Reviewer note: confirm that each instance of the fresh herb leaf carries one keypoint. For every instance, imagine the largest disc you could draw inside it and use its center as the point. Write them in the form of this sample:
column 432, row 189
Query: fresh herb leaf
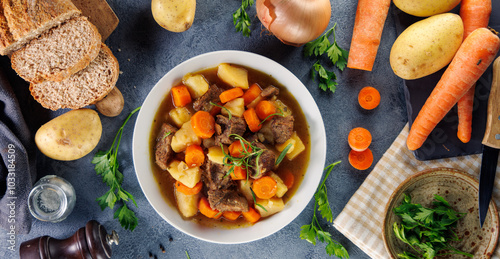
column 241, row 20
column 187, row 255
column 313, row 232
column 326, row 78
column 166, row 134
column 337, row 55
column 427, row 231
column 106, row 165
column 283, row 153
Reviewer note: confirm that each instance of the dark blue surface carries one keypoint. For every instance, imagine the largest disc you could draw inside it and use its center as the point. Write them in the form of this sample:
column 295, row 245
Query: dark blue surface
column 146, row 52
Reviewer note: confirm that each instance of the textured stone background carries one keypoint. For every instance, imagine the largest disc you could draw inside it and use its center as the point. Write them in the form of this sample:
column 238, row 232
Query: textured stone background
column 146, row 52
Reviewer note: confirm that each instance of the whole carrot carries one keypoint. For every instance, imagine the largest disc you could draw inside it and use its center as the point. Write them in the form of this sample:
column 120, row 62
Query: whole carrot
column 475, row 14
column 368, row 26
column 471, row 60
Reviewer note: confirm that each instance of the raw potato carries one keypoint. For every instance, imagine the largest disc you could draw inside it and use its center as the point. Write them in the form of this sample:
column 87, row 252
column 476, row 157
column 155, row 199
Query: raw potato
column 427, row 46
column 424, row 8
column 112, row 104
column 70, row 136
column 233, row 76
column 187, row 204
column 174, row 15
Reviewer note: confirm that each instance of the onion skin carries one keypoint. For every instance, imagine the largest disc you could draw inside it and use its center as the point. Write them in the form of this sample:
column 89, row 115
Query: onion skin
column 294, row 22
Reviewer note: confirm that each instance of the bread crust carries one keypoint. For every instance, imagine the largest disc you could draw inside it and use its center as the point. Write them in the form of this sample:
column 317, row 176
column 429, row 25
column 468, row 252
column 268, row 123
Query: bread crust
column 24, row 20
column 75, row 92
column 35, row 65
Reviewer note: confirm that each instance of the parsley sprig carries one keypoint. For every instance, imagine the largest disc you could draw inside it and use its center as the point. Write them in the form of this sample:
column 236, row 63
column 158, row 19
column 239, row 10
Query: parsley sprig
column 427, row 231
column 313, row 231
column 106, row 165
column 241, row 20
column 337, row 55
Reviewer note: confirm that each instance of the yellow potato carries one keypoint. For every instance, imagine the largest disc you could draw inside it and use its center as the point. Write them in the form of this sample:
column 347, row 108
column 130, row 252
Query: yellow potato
column 426, row 46
column 70, row 136
column 174, row 15
column 424, row 8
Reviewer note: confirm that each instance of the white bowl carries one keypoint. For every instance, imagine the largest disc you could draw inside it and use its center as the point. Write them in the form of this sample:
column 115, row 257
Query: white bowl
column 263, row 228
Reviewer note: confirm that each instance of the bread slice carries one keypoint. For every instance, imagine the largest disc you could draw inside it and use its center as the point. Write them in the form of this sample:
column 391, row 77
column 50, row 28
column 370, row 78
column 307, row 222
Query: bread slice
column 59, row 52
column 81, row 89
column 24, row 20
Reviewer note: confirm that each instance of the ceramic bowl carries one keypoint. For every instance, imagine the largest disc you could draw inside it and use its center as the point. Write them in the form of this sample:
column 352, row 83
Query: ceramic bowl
column 142, row 151
column 461, row 191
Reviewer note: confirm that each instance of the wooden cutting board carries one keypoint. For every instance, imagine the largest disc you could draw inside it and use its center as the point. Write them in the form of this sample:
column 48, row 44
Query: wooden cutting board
column 100, row 14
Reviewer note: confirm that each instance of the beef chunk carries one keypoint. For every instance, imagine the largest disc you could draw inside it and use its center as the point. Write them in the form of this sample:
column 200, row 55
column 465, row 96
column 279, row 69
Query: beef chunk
column 269, row 92
column 212, row 95
column 266, row 161
column 282, row 128
column 222, row 191
column 227, row 200
column 163, row 150
column 215, row 176
column 225, row 127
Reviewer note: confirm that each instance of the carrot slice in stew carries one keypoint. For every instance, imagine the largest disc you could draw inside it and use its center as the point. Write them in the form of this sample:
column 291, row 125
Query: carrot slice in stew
column 251, row 215
column 186, row 190
column 231, row 215
column 252, row 120
column 180, row 96
column 239, row 173
column 237, row 150
column 265, row 187
column 203, row 124
column 288, row 178
column 369, row 98
column 359, row 139
column 251, row 94
column 194, row 156
column 205, row 209
column 265, row 109
column 230, row 94
column 361, row 160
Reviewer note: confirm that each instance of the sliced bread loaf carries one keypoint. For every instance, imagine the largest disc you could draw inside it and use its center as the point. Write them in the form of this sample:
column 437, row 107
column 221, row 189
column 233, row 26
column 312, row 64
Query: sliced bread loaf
column 81, row 89
column 24, row 20
column 59, row 52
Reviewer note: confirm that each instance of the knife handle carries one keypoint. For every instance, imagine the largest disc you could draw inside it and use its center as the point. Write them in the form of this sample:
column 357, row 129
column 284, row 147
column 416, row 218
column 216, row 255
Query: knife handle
column 492, row 133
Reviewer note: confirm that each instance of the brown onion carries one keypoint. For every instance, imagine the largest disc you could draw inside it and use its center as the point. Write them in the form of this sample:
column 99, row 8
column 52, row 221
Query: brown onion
column 294, row 22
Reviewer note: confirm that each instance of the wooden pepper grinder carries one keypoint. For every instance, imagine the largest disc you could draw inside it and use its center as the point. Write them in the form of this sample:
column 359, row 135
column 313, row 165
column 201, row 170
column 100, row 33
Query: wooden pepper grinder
column 89, row 242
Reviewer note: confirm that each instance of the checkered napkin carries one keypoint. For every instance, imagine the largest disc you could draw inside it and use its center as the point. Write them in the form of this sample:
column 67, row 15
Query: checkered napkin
column 362, row 218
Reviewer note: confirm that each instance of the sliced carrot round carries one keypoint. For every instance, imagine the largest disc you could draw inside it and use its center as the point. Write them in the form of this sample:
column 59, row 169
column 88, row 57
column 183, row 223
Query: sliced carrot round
column 203, row 124
column 361, row 160
column 265, row 109
column 265, row 187
column 237, row 150
column 369, row 98
column 194, row 156
column 231, row 215
column 205, row 209
column 187, row 190
column 252, row 215
column 359, row 139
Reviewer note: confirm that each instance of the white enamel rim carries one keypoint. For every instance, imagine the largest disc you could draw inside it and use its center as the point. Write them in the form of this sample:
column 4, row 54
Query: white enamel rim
column 263, row 228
